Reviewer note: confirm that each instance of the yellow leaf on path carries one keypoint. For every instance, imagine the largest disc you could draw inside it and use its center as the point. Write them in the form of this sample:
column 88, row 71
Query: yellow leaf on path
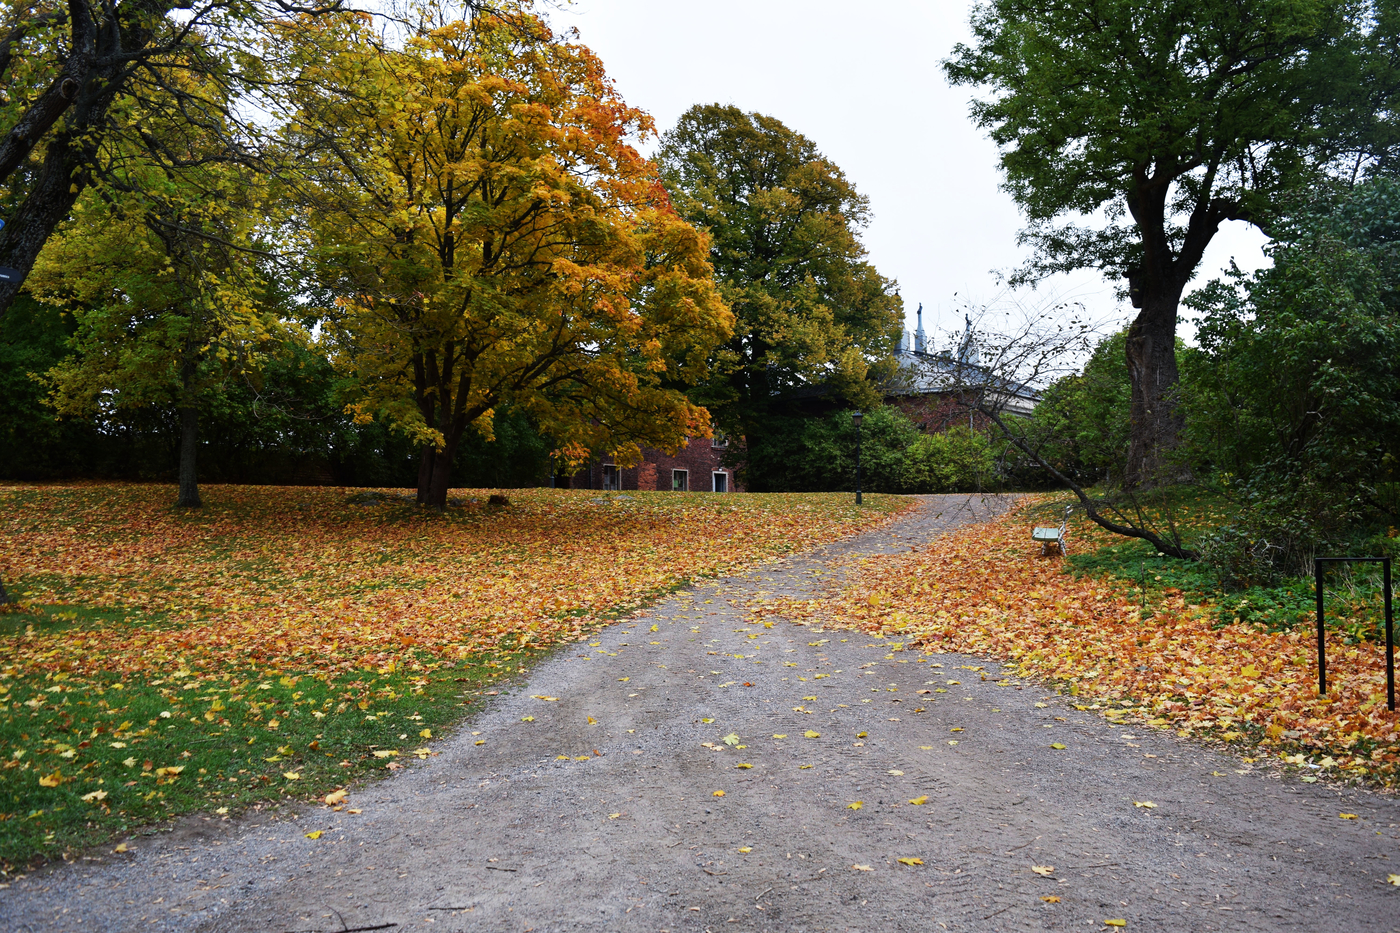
column 527, row 718
column 855, row 806
column 655, row 628
column 895, row 771
column 952, row 741
column 536, row 696
column 426, row 733
column 1145, row 803
column 1040, row 706
column 746, row 849
column 613, row 816
column 861, row 868
column 315, row 834
column 1116, row 923
column 592, row 721
column 910, row 861
column 812, row 735
column 479, row 742
column 927, row 748
column 731, row 739
column 920, row 800
column 336, row 796
column 1044, row 870
column 743, row 766
column 1347, row 816
column 623, row 680
column 1393, row 879
column 779, row 735
column 1057, row 745
column 95, row 797
column 121, row 847
column 1051, row 898
column 719, row 793
column 51, row 780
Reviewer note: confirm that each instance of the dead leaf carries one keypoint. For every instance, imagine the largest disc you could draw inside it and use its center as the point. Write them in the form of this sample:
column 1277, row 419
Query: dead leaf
column 731, row 739
column 1043, row 870
column 1116, row 923
column 314, row 834
column 1050, row 898
column 336, row 796
column 920, row 800
column 855, row 806
column 910, row 861
column 1347, row 816
column 861, row 868
column 719, row 793
column 1057, row 745
column 812, row 735
column 1145, row 803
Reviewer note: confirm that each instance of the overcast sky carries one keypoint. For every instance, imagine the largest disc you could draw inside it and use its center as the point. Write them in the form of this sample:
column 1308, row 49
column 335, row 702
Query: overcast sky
column 863, row 82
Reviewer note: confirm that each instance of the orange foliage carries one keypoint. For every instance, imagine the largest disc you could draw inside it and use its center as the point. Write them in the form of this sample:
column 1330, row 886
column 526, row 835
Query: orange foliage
column 987, row 591
column 302, row 580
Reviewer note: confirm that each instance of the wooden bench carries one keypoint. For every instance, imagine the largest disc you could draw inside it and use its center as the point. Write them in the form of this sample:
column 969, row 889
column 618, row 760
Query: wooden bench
column 1052, row 540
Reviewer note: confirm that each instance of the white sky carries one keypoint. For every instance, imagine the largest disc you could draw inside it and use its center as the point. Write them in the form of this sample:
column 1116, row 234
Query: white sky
column 864, row 83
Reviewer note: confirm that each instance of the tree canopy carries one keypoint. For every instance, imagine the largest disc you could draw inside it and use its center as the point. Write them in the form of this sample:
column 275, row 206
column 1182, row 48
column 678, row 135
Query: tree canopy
column 1130, row 130
column 491, row 237
column 810, row 310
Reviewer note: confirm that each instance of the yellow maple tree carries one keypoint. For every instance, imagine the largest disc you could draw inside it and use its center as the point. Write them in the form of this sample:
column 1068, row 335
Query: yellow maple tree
column 492, row 238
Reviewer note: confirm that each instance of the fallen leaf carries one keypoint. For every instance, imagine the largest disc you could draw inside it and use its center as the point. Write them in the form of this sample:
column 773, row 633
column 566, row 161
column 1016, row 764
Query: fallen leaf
column 746, row 849
column 613, row 816
column 1050, row 898
column 51, row 780
column 719, row 793
column 861, row 868
column 1393, row 879
column 779, row 735
column 920, row 800
column 1116, row 923
column 122, row 847
column 855, row 806
column 527, row 718
column 812, row 735
column 592, row 721
column 731, row 739
column 314, row 834
column 743, row 766
column 910, row 861
column 426, row 734
column 1044, row 870
column 291, row 775
column 1145, row 803
column 95, row 797
column 386, row 753
column 1057, row 745
column 537, row 696
column 895, row 771
column 336, row 796
column 1347, row 816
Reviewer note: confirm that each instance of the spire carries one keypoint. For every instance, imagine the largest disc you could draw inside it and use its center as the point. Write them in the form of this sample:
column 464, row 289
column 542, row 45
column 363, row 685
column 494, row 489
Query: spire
column 920, row 341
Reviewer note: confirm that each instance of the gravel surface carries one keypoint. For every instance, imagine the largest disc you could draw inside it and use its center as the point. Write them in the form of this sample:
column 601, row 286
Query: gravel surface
column 602, row 813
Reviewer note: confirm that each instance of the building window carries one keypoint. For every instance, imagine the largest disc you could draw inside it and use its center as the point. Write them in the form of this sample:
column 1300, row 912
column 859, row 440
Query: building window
column 680, row 480
column 721, row 482
column 719, row 439
column 612, row 477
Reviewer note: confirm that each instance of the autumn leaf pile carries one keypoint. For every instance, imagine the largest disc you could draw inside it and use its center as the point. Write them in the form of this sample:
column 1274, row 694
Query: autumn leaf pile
column 987, row 591
column 309, row 580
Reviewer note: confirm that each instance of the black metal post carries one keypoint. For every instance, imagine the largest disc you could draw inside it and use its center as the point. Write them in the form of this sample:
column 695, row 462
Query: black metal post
column 1389, row 624
column 1389, row 645
column 1321, row 644
column 857, row 420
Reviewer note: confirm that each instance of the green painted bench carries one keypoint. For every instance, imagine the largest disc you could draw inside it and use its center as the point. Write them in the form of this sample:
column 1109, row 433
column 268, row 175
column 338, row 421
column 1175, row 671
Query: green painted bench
column 1052, row 540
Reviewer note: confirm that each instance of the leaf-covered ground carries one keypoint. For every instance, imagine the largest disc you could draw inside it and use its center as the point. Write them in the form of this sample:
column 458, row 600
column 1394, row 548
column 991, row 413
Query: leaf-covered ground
column 1156, row 655
column 281, row 640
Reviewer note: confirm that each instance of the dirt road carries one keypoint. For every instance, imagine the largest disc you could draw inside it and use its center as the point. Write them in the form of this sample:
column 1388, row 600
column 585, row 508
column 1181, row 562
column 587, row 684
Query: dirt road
column 604, row 796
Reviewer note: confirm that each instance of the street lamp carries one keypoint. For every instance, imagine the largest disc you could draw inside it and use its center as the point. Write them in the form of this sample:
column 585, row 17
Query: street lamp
column 856, row 419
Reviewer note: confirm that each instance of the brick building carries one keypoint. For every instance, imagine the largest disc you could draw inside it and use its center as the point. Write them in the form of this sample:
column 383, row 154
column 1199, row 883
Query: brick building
column 697, row 467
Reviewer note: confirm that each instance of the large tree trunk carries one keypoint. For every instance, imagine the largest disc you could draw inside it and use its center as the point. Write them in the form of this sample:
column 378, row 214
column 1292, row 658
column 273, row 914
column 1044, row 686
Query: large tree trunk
column 426, row 458
column 189, row 446
column 1155, row 416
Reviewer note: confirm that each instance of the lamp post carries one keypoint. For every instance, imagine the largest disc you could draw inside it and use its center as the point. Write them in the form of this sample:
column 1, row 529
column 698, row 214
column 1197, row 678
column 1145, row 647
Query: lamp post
column 856, row 419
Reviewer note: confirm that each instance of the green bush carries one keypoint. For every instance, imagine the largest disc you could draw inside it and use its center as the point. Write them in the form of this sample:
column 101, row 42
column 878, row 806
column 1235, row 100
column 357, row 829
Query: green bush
column 956, row 460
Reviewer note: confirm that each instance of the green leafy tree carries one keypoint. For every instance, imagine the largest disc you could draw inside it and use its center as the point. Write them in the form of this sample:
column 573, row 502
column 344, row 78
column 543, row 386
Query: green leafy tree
column 810, row 310
column 1298, row 406
column 1167, row 119
column 168, row 292
column 493, row 240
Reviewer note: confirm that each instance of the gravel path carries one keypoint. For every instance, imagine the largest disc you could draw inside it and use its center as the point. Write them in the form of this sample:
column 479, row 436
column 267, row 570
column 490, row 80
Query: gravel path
column 602, row 813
